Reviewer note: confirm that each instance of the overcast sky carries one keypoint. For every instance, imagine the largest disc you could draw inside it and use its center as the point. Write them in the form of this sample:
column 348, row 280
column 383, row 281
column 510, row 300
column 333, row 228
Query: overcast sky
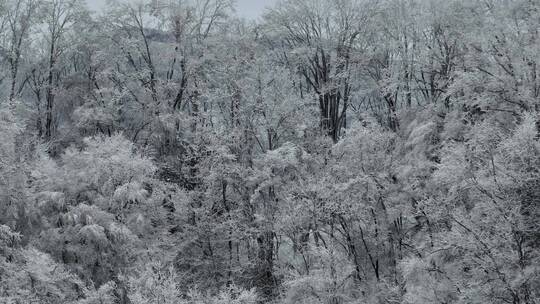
column 251, row 9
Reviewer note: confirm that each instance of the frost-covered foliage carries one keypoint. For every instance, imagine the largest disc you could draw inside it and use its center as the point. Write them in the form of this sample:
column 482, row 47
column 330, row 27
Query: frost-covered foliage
column 29, row 275
column 331, row 151
column 105, row 165
column 486, row 230
column 156, row 284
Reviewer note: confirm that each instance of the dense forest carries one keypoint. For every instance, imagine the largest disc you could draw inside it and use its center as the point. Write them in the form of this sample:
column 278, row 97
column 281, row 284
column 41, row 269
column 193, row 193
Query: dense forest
column 332, row 152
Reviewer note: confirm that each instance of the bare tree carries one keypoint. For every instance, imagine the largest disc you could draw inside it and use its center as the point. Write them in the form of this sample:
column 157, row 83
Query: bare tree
column 19, row 18
column 60, row 15
column 319, row 39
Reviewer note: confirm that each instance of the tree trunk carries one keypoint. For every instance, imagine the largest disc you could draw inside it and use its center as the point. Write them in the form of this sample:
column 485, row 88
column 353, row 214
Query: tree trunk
column 50, row 94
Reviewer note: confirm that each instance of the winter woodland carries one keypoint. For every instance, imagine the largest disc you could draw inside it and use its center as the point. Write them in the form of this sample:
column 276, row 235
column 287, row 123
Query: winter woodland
column 328, row 152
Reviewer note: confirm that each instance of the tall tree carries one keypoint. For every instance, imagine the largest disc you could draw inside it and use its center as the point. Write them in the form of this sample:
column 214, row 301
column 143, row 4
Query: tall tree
column 60, row 15
column 320, row 40
column 21, row 16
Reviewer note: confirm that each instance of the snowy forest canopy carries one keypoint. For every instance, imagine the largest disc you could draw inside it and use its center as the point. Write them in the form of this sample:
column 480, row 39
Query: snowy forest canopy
column 332, row 152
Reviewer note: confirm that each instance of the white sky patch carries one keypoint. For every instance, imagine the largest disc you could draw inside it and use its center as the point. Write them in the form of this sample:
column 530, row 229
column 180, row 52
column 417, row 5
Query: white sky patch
column 252, row 9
